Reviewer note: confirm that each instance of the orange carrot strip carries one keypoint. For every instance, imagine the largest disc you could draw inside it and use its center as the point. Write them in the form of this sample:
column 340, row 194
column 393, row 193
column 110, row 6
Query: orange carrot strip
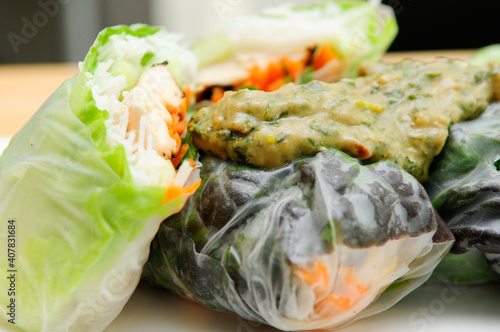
column 187, row 100
column 180, row 127
column 324, row 55
column 183, row 109
column 257, row 77
column 174, row 192
column 275, row 85
column 171, row 109
column 293, row 67
column 187, row 94
column 361, row 289
column 343, row 302
column 191, row 162
column 177, row 139
column 178, row 157
column 350, row 279
column 275, row 71
column 175, row 120
column 320, row 274
column 273, row 76
column 192, row 188
column 171, row 194
column 217, row 94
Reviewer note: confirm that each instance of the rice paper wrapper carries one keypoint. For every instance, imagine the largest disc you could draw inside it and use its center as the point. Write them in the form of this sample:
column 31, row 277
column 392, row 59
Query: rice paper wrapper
column 316, row 244
column 75, row 227
column 464, row 183
column 356, row 31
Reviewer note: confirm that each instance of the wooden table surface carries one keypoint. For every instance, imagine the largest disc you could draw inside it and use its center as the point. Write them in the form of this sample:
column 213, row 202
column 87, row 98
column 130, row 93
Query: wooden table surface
column 23, row 88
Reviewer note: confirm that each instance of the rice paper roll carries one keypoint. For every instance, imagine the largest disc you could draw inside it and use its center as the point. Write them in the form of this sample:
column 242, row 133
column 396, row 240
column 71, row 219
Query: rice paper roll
column 315, row 244
column 323, row 41
column 85, row 183
column 464, row 183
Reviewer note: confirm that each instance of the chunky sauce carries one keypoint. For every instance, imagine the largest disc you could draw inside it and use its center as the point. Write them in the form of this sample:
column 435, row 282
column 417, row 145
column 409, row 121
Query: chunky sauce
column 399, row 112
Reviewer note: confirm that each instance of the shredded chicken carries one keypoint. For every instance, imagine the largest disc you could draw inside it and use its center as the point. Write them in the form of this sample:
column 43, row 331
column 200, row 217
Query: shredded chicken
column 158, row 99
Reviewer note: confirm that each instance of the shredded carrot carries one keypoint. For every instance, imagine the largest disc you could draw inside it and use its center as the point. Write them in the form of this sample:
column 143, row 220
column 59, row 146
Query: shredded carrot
column 217, row 94
column 293, row 67
column 187, row 100
column 178, row 157
column 174, row 192
column 177, row 139
column 183, row 109
column 275, row 85
column 361, row 289
column 180, row 127
column 275, row 71
column 350, row 279
column 322, row 56
column 257, row 77
column 274, row 75
column 320, row 274
column 171, row 108
column 175, row 120
column 187, row 94
column 191, row 162
column 281, row 71
column 192, row 188
column 343, row 302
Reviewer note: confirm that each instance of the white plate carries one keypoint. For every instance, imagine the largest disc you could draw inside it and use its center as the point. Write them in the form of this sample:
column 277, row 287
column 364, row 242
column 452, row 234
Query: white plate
column 4, row 141
column 430, row 308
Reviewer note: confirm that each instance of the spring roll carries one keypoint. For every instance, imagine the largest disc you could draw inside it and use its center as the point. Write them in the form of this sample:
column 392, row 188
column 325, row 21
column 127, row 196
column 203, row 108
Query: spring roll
column 464, row 183
column 315, row 244
column 87, row 181
column 321, row 41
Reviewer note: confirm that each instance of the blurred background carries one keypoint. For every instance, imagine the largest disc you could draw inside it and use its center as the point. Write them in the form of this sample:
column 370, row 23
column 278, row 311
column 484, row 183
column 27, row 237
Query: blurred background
column 63, row 30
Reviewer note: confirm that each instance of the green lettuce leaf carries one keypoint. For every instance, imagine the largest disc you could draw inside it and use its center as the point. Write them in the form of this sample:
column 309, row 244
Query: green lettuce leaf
column 484, row 55
column 81, row 226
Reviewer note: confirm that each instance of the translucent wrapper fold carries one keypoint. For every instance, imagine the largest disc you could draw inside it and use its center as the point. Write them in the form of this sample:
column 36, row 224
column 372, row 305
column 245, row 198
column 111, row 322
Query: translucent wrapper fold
column 78, row 222
column 315, row 244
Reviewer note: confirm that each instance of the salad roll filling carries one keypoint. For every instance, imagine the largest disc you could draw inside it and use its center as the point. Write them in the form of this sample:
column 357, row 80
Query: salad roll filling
column 146, row 110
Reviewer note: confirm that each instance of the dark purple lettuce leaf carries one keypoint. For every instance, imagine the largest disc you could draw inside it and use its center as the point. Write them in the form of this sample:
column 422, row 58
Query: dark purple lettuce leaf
column 464, row 184
column 240, row 242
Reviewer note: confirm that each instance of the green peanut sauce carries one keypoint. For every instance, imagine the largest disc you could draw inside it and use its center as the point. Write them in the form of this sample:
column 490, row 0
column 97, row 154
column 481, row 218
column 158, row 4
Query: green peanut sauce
column 399, row 112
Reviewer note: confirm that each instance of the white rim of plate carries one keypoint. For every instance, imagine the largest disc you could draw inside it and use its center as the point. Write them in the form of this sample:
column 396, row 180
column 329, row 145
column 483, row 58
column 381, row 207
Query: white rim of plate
column 4, row 141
